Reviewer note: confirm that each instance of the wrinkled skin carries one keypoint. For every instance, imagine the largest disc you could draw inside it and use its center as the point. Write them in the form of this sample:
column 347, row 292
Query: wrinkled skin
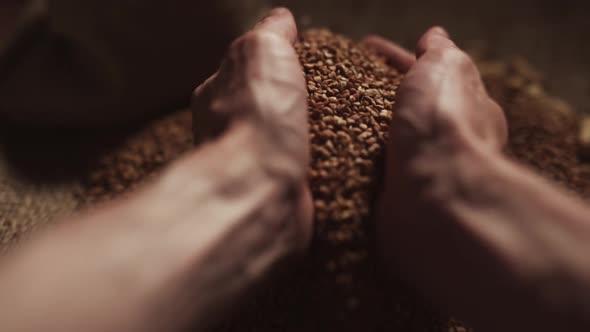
column 496, row 245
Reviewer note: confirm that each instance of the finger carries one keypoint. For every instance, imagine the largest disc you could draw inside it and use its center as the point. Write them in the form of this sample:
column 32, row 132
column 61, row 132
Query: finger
column 204, row 86
column 434, row 38
column 501, row 125
column 281, row 22
column 399, row 57
column 206, row 125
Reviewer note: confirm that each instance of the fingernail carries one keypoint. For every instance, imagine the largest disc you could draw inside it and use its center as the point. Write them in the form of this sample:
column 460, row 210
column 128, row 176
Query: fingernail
column 440, row 31
column 279, row 11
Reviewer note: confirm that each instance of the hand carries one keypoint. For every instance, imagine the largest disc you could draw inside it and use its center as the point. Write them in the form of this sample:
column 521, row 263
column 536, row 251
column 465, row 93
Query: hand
column 478, row 234
column 245, row 189
column 260, row 87
column 442, row 114
column 187, row 247
column 443, row 111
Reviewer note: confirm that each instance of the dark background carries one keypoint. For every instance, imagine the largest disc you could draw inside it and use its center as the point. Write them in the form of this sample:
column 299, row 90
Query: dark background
column 552, row 35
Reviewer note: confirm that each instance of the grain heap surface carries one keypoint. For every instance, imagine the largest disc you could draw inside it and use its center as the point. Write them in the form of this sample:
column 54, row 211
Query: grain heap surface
column 351, row 99
column 351, row 96
column 543, row 129
column 26, row 207
column 138, row 158
column 339, row 286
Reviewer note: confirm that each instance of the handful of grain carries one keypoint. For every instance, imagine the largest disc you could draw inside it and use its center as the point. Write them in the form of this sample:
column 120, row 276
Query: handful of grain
column 351, row 99
column 338, row 287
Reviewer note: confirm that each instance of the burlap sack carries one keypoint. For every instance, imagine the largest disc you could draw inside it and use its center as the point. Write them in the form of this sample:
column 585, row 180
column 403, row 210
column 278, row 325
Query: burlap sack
column 26, row 205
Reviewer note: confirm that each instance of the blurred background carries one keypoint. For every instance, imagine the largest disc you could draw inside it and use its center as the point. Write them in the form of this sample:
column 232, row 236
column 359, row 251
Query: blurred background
column 551, row 35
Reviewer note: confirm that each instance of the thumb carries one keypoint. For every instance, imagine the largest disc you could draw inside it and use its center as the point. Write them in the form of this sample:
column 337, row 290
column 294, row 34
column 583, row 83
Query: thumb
column 434, row 38
column 399, row 57
column 281, row 22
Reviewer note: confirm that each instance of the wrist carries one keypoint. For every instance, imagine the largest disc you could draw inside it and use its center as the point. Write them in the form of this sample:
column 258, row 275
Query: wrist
column 491, row 219
column 220, row 221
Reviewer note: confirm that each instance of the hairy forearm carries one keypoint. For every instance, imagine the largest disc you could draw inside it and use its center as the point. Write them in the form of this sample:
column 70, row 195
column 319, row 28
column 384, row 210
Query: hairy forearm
column 182, row 250
column 520, row 242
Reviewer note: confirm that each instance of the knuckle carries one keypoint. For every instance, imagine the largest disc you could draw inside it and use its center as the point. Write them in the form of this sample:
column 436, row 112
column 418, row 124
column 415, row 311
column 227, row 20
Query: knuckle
column 455, row 59
column 257, row 40
column 453, row 55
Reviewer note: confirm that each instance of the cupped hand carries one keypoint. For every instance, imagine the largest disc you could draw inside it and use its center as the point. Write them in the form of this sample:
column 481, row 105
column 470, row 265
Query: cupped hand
column 443, row 118
column 474, row 231
column 442, row 113
column 260, row 89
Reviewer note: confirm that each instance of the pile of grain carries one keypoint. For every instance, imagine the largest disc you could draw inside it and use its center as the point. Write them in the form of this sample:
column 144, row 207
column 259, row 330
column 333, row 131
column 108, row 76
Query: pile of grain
column 340, row 286
column 351, row 96
column 543, row 129
column 138, row 158
column 351, row 99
